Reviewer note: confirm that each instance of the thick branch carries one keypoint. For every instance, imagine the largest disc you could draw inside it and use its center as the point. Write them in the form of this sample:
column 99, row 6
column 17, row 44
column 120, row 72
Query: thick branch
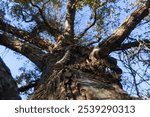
column 41, row 43
column 130, row 45
column 123, row 31
column 26, row 49
column 70, row 17
column 8, row 87
column 28, row 86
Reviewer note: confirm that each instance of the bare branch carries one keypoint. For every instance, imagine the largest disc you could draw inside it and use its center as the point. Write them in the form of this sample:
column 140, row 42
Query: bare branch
column 130, row 45
column 134, row 80
column 29, row 37
column 40, row 11
column 23, row 12
column 55, row 32
column 70, row 17
column 90, row 26
column 26, row 49
column 93, row 42
column 28, row 86
column 123, row 31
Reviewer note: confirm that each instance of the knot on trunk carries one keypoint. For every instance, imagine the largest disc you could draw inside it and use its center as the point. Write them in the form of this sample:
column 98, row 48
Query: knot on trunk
column 107, row 62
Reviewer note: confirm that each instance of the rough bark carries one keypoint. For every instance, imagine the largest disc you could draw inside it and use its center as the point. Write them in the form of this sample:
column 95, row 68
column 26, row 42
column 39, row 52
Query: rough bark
column 70, row 17
column 123, row 31
column 29, row 50
column 26, row 36
column 80, row 83
column 67, row 72
column 78, row 79
column 8, row 87
column 82, row 79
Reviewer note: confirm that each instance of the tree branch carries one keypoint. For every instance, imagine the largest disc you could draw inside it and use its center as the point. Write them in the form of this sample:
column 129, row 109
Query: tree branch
column 55, row 32
column 130, row 45
column 123, row 31
column 28, row 86
column 90, row 26
column 70, row 17
column 8, row 87
column 41, row 43
column 26, row 49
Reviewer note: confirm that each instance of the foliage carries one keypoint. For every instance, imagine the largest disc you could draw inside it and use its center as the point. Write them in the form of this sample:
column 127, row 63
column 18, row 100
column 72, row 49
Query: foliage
column 27, row 77
column 30, row 15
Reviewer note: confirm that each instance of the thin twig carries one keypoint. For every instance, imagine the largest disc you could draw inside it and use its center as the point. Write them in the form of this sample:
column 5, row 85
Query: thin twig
column 90, row 26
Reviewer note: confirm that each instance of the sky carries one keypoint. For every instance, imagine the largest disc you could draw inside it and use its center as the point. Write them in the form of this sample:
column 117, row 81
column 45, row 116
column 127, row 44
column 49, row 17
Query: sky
column 14, row 62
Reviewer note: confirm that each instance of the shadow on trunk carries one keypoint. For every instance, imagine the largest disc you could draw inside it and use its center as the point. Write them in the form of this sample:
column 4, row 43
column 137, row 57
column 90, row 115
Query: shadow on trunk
column 78, row 78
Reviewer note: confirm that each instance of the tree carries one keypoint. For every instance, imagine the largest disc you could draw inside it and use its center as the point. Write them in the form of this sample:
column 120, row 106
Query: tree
column 74, row 63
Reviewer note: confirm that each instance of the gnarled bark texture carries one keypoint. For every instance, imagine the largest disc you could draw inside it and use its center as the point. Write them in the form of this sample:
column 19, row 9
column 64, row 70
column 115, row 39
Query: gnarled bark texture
column 69, row 69
column 74, row 76
column 79, row 79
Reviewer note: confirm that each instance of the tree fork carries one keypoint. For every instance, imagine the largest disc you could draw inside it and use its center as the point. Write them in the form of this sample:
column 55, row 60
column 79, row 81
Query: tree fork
column 124, row 30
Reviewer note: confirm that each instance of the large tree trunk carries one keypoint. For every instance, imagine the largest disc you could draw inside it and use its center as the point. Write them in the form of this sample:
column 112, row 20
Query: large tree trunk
column 76, row 78
column 77, row 72
column 70, row 70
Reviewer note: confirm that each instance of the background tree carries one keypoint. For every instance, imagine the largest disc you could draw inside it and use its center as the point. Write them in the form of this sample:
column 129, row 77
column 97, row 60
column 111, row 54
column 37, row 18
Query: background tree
column 72, row 43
